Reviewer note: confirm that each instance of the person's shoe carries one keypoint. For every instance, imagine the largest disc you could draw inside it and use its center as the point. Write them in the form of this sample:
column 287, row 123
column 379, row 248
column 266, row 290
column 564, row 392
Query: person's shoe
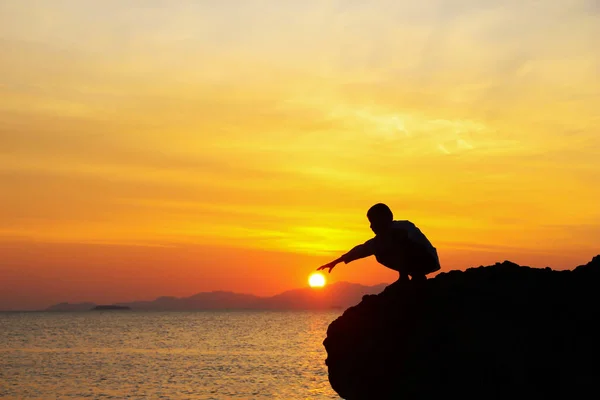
column 401, row 282
column 418, row 278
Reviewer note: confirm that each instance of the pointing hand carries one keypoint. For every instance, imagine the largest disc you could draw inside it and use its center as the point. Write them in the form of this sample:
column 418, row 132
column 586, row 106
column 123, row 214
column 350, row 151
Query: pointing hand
column 329, row 266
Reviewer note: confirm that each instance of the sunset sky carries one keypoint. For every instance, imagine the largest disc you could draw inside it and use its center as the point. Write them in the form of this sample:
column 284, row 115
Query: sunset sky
column 159, row 147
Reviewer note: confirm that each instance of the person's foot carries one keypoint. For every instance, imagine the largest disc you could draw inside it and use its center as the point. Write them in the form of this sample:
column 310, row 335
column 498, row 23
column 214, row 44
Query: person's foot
column 401, row 282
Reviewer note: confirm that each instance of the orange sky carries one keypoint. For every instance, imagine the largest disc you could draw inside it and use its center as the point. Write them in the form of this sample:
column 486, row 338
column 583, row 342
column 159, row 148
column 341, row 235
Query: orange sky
column 163, row 148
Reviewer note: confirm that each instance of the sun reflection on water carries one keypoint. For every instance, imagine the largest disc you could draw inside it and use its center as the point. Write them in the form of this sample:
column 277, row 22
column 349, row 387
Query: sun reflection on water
column 194, row 355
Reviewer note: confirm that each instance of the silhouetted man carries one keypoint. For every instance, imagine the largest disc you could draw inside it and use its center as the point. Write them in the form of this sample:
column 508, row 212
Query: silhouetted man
column 398, row 245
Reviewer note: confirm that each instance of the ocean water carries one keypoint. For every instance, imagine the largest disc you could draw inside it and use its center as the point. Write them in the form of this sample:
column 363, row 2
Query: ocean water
column 168, row 355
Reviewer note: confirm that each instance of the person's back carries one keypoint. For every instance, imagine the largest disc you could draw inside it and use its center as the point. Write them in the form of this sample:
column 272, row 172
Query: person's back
column 398, row 245
column 404, row 248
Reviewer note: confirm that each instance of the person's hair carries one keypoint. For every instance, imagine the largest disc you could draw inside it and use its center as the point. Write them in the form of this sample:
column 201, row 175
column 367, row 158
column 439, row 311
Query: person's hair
column 380, row 212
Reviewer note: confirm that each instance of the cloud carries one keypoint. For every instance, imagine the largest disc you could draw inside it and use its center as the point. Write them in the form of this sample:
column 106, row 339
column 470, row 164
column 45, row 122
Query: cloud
column 297, row 103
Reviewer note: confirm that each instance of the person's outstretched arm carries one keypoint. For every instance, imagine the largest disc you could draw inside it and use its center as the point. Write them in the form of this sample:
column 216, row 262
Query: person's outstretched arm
column 331, row 265
column 361, row 251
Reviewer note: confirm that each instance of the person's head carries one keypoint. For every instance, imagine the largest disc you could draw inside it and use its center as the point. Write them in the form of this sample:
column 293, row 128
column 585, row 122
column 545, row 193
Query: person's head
column 380, row 216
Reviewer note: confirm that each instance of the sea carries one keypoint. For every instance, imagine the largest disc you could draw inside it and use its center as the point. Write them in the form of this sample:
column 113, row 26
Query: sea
column 164, row 355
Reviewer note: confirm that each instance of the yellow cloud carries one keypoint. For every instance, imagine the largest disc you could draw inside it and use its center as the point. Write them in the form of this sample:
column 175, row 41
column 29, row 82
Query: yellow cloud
column 461, row 116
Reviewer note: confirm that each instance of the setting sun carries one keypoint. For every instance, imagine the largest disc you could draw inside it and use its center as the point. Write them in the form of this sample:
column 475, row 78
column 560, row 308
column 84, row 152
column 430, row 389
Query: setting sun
column 316, row 280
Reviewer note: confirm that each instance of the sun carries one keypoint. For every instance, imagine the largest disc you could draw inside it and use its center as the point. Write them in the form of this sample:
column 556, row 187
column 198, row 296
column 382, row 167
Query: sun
column 316, row 280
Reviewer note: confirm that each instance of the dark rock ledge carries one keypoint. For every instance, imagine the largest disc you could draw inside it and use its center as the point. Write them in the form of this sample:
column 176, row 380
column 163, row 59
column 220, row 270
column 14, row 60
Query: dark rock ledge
column 502, row 331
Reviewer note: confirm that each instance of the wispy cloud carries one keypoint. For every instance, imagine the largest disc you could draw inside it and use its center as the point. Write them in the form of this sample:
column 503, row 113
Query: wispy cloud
column 276, row 121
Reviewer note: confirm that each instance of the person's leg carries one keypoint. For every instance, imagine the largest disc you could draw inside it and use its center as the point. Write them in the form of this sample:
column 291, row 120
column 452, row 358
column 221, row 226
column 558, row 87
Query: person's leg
column 418, row 261
column 403, row 277
column 402, row 280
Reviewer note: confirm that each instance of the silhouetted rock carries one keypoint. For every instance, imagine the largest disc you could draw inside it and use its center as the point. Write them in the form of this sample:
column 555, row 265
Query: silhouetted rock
column 63, row 307
column 502, row 331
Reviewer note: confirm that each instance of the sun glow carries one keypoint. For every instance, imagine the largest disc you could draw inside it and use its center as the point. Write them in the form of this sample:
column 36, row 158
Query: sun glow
column 316, row 280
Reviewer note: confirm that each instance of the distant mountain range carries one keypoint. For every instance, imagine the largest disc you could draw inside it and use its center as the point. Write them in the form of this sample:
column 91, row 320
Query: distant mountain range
column 336, row 295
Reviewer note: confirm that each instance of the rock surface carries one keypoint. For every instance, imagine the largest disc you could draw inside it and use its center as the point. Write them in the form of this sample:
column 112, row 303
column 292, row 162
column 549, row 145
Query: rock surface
column 501, row 331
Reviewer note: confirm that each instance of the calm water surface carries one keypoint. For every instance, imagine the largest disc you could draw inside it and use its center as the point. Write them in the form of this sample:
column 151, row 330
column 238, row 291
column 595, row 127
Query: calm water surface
column 170, row 355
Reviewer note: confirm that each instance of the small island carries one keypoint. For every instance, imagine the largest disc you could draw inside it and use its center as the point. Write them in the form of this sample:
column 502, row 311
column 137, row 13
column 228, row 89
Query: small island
column 110, row 307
